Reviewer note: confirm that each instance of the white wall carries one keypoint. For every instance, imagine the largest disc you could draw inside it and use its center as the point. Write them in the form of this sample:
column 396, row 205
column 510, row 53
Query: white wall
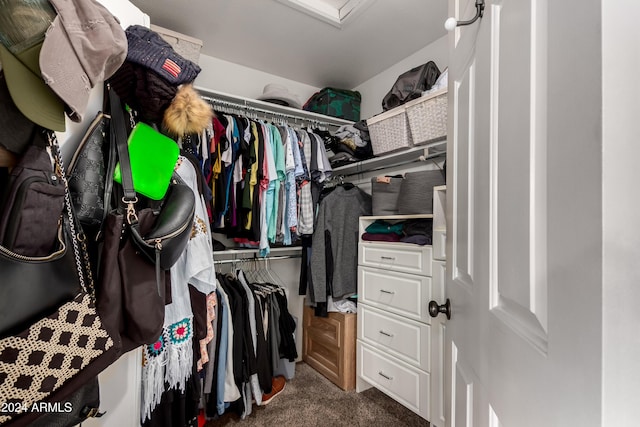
column 227, row 77
column 374, row 89
column 620, row 211
column 234, row 79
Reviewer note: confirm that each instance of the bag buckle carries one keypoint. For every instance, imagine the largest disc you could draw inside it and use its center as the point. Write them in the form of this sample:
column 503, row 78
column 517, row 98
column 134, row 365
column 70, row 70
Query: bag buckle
column 132, row 217
column 91, row 412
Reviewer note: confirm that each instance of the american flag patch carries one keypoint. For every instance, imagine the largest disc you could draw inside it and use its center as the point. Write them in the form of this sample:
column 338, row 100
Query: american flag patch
column 171, row 67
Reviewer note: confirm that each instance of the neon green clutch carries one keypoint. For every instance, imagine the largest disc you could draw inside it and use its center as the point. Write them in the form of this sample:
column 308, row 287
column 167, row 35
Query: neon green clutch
column 153, row 157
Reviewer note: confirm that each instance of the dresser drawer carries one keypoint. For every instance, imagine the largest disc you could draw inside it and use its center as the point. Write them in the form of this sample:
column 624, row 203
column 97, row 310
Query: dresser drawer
column 406, row 339
column 328, row 345
column 404, row 257
column 405, row 384
column 404, row 294
column 327, row 330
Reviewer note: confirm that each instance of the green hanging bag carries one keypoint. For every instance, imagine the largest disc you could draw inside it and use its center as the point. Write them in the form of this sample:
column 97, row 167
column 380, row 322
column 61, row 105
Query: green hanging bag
column 153, row 158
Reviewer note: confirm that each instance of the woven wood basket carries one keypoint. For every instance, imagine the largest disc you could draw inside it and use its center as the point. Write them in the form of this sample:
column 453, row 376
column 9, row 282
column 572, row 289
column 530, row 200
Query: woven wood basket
column 185, row 46
column 427, row 117
column 389, row 131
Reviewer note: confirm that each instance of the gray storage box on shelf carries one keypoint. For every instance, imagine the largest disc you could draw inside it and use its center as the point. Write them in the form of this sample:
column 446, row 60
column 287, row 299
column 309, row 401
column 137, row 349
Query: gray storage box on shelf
column 185, row 46
column 389, row 131
column 427, row 117
column 416, row 191
column 384, row 195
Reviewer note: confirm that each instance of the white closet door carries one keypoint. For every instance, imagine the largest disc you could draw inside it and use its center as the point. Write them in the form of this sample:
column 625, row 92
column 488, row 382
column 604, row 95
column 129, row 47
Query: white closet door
column 524, row 252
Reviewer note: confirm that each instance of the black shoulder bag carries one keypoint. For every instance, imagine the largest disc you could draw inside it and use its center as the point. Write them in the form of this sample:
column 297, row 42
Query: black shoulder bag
column 52, row 340
column 139, row 246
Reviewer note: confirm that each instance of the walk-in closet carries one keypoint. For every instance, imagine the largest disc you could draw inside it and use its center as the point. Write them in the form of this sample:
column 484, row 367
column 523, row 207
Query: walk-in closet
column 318, row 213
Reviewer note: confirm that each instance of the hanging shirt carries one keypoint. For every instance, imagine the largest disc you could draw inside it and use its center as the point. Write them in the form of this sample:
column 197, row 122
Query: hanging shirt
column 290, row 217
column 227, row 388
column 323, row 167
column 279, row 162
column 229, row 157
column 297, row 160
column 255, row 384
column 251, row 178
column 334, row 259
column 267, row 202
column 305, row 199
column 216, row 180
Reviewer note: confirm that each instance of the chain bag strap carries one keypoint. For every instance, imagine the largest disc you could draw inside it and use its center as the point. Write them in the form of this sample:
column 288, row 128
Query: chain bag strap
column 78, row 238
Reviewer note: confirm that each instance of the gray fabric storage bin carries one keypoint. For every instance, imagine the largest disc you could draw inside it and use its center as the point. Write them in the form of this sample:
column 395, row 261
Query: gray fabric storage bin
column 416, row 192
column 384, row 195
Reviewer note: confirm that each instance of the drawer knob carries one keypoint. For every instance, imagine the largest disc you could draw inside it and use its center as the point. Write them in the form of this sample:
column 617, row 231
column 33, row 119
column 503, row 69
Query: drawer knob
column 386, row 334
column 384, row 291
column 435, row 309
column 389, row 258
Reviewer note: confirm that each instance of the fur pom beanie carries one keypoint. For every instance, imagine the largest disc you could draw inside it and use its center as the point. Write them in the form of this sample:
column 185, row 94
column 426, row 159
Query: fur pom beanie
column 143, row 90
column 188, row 113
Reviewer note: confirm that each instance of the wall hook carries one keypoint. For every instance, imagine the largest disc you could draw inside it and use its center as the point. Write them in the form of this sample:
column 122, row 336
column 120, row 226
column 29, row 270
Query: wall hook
column 451, row 23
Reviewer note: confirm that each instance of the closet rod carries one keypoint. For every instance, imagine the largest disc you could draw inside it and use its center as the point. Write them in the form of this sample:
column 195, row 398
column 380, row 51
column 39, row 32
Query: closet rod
column 339, row 174
column 249, row 259
column 264, row 113
column 267, row 109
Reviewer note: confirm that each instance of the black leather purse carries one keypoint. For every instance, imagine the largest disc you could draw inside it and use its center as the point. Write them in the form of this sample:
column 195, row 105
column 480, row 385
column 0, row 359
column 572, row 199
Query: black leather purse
column 169, row 236
column 87, row 172
column 137, row 238
column 47, row 307
column 35, row 286
column 164, row 244
column 37, row 265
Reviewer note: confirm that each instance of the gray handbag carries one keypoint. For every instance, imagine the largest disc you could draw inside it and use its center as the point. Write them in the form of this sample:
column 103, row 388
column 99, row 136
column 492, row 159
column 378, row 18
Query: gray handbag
column 384, row 194
column 416, row 191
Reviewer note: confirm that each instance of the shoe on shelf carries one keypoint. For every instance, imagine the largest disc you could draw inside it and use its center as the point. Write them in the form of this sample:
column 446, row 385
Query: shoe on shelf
column 277, row 385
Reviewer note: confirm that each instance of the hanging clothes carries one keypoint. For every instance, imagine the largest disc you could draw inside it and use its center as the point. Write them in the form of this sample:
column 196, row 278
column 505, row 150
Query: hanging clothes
column 168, row 363
column 263, row 179
column 335, row 244
column 255, row 332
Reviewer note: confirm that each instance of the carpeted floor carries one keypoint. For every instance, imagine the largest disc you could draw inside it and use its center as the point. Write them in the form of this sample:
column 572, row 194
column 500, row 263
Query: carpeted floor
column 309, row 399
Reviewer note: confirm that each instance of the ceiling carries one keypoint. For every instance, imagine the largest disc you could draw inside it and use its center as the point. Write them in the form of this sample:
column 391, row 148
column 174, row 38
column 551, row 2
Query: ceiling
column 278, row 38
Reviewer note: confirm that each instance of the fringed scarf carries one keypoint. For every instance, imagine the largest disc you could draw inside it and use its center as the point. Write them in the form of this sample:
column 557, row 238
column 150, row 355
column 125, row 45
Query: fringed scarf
column 168, row 363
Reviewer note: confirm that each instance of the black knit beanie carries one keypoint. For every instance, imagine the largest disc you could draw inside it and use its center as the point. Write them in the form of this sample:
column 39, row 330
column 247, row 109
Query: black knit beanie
column 143, row 90
column 147, row 48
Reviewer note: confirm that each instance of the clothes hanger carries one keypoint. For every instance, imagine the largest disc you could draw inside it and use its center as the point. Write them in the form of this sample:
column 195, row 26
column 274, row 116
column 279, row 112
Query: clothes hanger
column 345, row 185
column 276, row 280
column 264, row 274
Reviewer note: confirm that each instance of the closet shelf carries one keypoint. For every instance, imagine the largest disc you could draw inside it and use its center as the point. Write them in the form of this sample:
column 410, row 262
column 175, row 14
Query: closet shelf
column 269, row 110
column 395, row 217
column 398, row 158
column 255, row 253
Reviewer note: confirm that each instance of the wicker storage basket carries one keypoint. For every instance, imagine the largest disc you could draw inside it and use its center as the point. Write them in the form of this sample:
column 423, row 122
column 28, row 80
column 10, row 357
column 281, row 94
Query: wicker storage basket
column 185, row 46
column 427, row 117
column 389, row 131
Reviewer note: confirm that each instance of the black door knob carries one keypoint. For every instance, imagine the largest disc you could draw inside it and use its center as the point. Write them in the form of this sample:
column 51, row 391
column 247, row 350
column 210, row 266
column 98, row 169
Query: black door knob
column 435, row 309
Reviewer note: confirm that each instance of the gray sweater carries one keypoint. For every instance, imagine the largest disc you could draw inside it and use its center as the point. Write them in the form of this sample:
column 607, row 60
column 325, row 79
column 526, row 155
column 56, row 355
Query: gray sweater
column 335, row 244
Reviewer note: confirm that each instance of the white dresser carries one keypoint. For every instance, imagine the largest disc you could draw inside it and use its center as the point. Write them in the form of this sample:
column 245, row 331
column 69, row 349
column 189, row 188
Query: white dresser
column 400, row 347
